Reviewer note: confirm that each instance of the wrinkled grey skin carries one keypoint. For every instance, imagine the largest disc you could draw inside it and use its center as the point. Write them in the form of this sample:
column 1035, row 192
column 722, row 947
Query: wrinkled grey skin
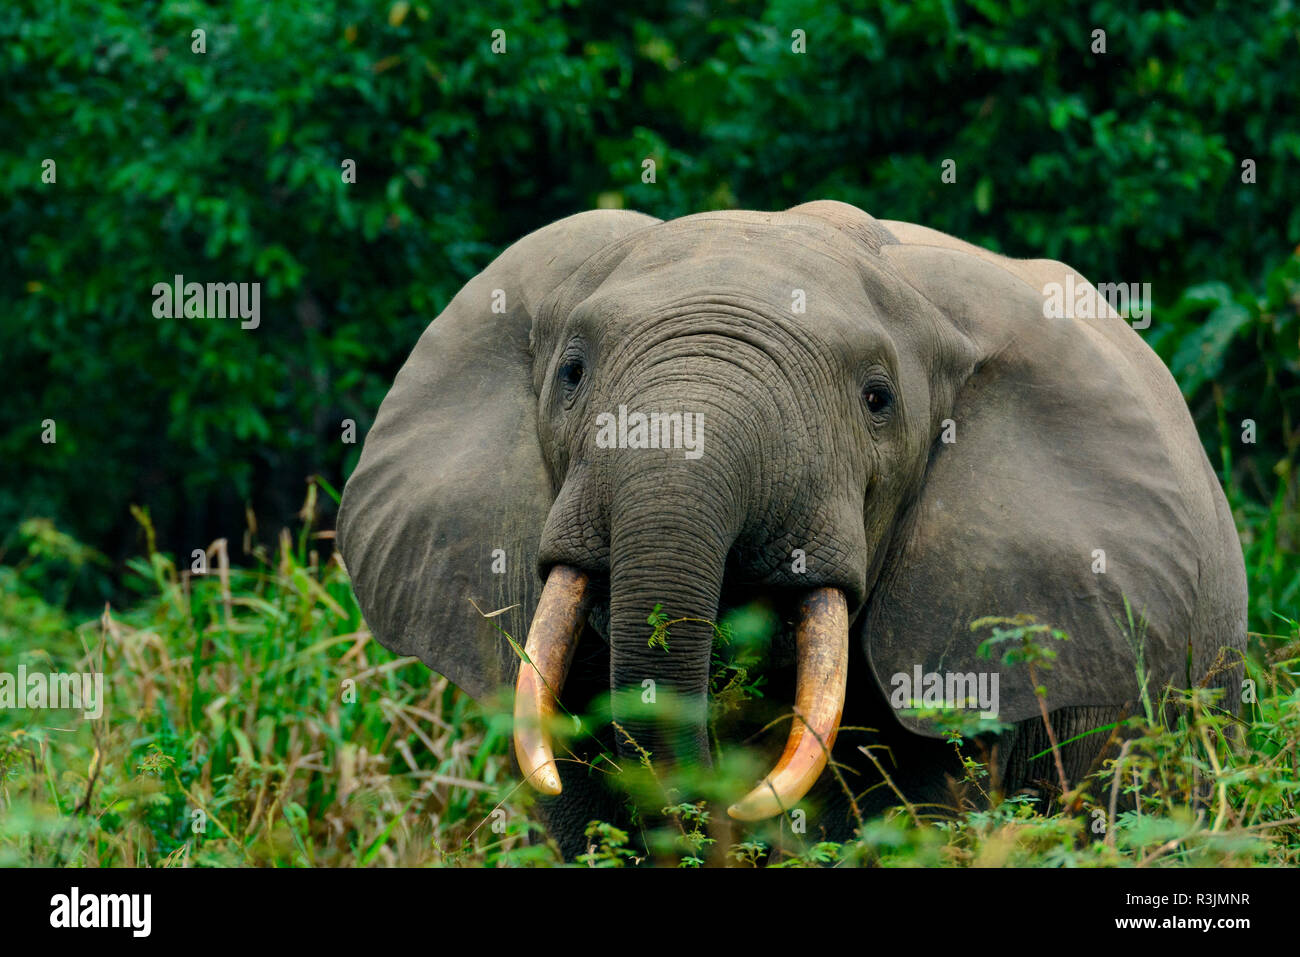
column 1071, row 436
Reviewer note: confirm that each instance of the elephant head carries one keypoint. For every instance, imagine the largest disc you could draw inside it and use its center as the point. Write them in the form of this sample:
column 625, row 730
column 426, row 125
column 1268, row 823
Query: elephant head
column 619, row 413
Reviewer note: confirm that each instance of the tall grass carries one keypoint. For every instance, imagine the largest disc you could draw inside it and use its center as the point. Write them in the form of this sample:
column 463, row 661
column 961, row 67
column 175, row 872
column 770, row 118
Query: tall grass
column 252, row 720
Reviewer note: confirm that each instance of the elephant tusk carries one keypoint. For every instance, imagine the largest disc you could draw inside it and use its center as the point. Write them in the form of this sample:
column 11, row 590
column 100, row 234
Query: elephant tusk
column 822, row 672
column 552, row 640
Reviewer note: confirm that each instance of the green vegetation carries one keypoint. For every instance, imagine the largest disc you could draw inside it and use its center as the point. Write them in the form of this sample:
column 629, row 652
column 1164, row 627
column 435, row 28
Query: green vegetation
column 250, row 719
column 226, row 695
column 232, row 734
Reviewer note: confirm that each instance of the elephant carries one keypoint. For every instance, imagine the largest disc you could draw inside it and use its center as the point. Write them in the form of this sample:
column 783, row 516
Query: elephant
column 893, row 407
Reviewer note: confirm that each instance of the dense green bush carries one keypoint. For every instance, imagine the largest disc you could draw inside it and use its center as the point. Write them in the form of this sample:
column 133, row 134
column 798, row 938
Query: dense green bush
column 227, row 166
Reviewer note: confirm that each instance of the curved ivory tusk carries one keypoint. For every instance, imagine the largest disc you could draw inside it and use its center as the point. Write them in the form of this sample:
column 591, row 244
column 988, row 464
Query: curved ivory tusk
column 552, row 640
column 823, row 649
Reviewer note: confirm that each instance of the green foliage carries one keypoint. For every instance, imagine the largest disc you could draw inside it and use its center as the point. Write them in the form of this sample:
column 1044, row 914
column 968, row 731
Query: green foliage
column 693, row 844
column 1025, row 637
column 248, row 720
column 607, row 847
column 740, row 646
column 1194, row 787
column 658, row 622
column 254, row 697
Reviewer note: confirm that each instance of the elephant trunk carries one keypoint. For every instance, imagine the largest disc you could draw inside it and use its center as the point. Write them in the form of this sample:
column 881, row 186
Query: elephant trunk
column 660, row 677
column 672, row 524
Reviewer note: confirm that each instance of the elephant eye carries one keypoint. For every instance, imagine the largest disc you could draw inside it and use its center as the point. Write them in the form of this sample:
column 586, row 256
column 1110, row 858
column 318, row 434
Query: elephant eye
column 571, row 372
column 877, row 398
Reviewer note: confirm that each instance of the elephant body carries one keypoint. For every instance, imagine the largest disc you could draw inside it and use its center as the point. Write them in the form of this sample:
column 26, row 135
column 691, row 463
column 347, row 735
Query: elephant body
column 893, row 431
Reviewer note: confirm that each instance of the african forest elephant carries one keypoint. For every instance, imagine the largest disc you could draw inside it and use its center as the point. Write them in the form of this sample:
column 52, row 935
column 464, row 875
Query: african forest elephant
column 889, row 405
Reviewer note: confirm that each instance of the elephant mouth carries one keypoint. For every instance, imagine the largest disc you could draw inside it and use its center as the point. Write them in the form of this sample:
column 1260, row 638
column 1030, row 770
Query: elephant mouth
column 821, row 672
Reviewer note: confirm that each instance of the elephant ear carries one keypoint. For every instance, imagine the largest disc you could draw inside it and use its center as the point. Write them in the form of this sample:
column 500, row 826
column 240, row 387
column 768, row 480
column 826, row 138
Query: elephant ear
column 448, row 500
column 1074, row 481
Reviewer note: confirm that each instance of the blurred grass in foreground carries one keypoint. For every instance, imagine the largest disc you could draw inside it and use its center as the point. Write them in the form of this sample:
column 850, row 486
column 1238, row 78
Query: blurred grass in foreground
column 250, row 719
column 257, row 697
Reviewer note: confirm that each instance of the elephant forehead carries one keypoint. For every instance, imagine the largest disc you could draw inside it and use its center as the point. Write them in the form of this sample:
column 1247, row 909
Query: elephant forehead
column 774, row 271
column 715, row 247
